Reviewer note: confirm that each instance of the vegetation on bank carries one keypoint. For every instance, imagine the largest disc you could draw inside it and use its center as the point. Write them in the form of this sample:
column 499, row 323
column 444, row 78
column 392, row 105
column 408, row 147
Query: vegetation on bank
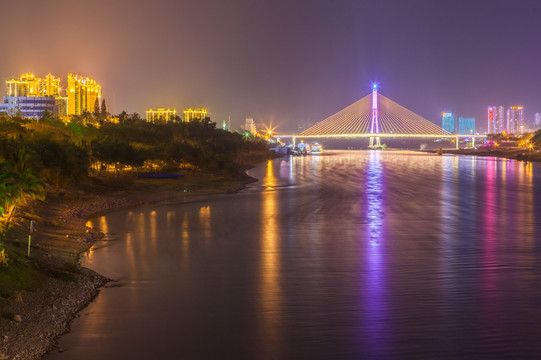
column 527, row 140
column 53, row 153
column 536, row 139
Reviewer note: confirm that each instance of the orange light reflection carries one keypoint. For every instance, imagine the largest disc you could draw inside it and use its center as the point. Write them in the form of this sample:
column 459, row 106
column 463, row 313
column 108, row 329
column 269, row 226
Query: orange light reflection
column 271, row 296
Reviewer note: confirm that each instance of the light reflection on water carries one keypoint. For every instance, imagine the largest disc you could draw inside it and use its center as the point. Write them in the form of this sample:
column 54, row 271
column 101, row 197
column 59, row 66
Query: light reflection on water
column 347, row 255
column 374, row 292
column 270, row 292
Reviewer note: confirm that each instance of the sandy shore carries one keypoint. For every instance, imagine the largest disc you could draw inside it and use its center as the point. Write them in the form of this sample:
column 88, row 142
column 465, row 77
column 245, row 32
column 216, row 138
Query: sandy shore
column 32, row 321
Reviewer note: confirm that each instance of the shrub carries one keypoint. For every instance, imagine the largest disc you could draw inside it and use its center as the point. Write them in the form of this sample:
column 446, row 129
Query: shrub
column 3, row 258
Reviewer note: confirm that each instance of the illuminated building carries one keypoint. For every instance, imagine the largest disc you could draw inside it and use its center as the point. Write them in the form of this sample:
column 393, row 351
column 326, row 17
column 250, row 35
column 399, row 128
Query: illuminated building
column 249, row 126
column 161, row 114
column 515, row 117
column 496, row 120
column 82, row 93
column 192, row 114
column 537, row 119
column 30, row 96
column 490, row 126
column 62, row 105
column 28, row 106
column 466, row 126
column 50, row 86
column 448, row 122
column 28, row 85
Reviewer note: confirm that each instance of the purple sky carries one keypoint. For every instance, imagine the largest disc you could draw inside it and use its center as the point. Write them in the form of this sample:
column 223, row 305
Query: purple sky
column 284, row 61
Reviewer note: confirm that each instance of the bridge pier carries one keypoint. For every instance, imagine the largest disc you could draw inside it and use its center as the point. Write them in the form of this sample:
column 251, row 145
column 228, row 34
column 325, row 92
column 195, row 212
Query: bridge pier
column 377, row 144
column 294, row 140
column 457, row 143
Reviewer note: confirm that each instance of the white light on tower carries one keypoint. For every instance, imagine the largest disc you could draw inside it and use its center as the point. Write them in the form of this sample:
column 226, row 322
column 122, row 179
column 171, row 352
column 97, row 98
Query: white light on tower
column 374, row 97
column 374, row 126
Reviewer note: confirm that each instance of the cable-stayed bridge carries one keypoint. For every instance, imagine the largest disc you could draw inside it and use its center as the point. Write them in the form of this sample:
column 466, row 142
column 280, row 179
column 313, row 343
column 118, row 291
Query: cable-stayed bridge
column 376, row 116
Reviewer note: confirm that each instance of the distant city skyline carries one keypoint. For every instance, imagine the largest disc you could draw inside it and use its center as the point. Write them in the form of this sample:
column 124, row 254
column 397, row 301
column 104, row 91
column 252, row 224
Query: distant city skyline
column 261, row 60
column 31, row 95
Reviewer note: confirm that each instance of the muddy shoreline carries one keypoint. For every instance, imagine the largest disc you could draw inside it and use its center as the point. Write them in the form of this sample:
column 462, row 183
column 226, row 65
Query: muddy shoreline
column 515, row 153
column 33, row 320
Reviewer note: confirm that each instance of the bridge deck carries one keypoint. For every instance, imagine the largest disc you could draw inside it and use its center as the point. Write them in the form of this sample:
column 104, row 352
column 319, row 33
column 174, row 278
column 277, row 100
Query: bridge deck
column 344, row 136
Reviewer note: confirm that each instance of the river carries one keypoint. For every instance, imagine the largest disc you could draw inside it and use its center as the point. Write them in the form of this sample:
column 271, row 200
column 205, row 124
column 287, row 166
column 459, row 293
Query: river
column 346, row 255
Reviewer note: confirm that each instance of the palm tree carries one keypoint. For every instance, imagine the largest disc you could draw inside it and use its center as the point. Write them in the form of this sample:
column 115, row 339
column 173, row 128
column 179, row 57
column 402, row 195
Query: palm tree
column 18, row 184
column 7, row 191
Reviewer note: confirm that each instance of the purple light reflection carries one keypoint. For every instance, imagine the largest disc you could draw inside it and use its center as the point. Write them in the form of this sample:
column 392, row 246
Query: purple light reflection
column 373, row 293
column 374, row 196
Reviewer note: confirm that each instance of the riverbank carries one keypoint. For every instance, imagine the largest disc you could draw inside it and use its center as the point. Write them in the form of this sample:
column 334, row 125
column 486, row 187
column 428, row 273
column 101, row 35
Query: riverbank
column 56, row 287
column 514, row 153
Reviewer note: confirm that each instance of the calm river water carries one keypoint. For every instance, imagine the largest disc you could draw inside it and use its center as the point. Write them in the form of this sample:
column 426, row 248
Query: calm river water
column 347, row 255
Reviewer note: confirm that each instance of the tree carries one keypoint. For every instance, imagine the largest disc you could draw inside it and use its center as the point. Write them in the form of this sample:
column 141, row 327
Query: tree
column 96, row 107
column 103, row 109
column 46, row 115
column 122, row 117
column 19, row 184
column 536, row 138
column 7, row 191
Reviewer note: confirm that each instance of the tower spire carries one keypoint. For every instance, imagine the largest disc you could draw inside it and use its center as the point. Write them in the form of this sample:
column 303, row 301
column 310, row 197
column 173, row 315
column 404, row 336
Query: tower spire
column 375, row 142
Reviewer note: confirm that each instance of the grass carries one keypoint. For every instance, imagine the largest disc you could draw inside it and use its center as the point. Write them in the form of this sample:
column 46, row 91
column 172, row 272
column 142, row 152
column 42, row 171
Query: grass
column 66, row 272
column 19, row 275
column 63, row 275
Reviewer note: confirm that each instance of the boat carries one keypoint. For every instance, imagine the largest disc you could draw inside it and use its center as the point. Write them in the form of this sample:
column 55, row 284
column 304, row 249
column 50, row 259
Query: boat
column 316, row 149
column 302, row 148
column 160, row 176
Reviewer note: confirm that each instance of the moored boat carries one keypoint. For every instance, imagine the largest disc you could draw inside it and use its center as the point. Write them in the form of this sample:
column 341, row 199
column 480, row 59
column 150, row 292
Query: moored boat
column 316, row 149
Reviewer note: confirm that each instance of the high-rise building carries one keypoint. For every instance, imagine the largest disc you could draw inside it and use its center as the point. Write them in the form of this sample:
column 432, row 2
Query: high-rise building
column 515, row 119
column 537, row 120
column 491, row 126
column 23, row 93
column 448, row 122
column 30, row 96
column 466, row 126
column 62, row 105
column 82, row 93
column 161, row 115
column 50, row 86
column 28, row 85
column 496, row 120
column 192, row 114
column 499, row 119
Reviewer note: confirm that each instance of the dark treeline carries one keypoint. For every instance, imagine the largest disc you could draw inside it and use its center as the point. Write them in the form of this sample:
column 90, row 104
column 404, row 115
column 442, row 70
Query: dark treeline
column 33, row 153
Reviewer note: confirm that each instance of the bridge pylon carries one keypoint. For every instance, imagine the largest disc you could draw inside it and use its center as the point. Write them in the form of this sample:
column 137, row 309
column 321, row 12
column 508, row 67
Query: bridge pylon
column 375, row 142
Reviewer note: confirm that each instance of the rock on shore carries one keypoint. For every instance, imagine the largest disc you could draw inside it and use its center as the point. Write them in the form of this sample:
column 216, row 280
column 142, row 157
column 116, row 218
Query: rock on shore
column 28, row 327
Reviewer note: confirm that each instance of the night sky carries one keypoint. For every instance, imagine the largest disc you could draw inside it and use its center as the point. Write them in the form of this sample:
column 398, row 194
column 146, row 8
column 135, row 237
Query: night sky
column 284, row 61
